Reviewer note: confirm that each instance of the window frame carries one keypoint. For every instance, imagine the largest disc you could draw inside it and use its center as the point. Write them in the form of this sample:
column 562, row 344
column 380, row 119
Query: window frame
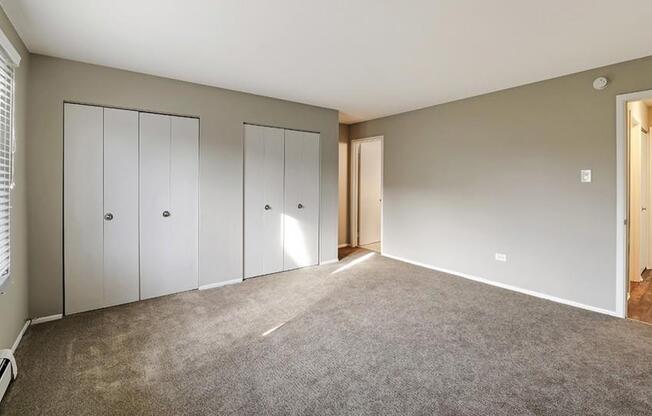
column 10, row 58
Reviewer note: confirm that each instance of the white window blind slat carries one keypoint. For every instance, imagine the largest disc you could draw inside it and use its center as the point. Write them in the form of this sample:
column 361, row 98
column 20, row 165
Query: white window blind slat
column 7, row 149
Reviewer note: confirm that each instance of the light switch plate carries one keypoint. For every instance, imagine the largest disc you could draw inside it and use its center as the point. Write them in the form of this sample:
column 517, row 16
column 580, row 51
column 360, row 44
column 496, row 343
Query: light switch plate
column 501, row 257
column 585, row 175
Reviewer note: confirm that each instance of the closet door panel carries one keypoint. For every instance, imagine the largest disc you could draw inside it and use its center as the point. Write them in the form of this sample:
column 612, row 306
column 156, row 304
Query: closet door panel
column 184, row 203
column 301, row 199
column 83, row 211
column 121, row 283
column 311, row 195
column 273, row 217
column 295, row 253
column 156, row 251
column 263, row 200
column 254, row 173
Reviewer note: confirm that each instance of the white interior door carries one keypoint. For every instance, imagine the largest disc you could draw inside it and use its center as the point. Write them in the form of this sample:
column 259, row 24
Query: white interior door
column 369, row 191
column 301, row 222
column 121, row 283
column 83, row 210
column 184, row 203
column 263, row 200
column 645, row 191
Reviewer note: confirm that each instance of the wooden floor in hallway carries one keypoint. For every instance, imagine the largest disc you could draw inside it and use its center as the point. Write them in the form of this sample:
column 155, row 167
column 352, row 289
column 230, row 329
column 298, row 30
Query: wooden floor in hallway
column 373, row 246
column 639, row 306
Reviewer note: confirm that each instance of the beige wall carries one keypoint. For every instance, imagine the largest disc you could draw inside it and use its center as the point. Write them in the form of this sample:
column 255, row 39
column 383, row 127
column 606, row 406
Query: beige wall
column 501, row 173
column 14, row 303
column 222, row 114
column 344, row 145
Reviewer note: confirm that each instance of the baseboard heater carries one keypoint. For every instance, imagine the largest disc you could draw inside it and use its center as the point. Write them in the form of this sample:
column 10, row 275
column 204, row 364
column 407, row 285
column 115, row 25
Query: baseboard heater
column 5, row 377
column 7, row 371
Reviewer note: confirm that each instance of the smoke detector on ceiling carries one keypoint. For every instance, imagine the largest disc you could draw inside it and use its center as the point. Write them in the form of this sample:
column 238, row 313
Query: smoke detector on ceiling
column 600, row 83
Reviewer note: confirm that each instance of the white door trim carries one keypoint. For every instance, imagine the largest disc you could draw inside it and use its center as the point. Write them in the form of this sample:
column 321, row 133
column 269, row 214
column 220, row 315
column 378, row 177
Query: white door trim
column 645, row 199
column 648, row 172
column 621, row 197
column 355, row 156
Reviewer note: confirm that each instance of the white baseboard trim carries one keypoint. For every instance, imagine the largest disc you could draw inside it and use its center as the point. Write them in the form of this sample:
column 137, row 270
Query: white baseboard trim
column 44, row 319
column 508, row 287
column 325, row 262
column 343, row 245
column 220, row 284
column 20, row 336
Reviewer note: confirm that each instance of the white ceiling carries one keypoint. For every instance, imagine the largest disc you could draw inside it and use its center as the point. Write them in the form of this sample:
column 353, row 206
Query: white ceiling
column 366, row 58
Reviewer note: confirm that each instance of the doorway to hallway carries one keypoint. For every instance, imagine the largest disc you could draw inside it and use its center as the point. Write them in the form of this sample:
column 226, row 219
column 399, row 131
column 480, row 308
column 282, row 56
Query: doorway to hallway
column 639, row 178
column 367, row 193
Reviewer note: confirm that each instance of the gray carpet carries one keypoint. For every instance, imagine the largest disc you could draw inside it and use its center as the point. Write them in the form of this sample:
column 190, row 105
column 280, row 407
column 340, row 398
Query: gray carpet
column 381, row 338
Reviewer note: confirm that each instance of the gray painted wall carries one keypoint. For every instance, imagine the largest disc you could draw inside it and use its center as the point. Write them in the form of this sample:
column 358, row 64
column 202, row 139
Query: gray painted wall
column 13, row 304
column 222, row 114
column 500, row 173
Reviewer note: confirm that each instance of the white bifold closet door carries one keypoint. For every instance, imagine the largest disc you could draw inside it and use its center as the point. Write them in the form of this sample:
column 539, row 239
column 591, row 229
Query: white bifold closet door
column 169, row 168
column 100, row 207
column 263, row 200
column 281, row 200
column 301, row 245
column 120, row 206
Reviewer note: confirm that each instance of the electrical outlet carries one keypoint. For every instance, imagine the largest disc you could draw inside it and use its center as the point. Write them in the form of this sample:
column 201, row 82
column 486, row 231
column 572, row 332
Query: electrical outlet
column 501, row 257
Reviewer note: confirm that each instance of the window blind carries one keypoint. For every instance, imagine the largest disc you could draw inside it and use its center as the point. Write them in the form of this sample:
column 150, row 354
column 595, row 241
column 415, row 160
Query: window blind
column 7, row 149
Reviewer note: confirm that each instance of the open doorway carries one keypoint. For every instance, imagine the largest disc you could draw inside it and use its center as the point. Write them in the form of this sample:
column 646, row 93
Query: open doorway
column 639, row 178
column 367, row 193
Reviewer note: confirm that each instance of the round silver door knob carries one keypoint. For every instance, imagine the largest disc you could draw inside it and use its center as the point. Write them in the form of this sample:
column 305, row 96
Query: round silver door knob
column 300, row 206
column 267, row 207
column 166, row 214
column 108, row 216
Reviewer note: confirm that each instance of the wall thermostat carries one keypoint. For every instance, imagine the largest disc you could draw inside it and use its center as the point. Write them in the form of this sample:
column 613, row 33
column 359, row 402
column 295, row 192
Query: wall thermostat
column 600, row 83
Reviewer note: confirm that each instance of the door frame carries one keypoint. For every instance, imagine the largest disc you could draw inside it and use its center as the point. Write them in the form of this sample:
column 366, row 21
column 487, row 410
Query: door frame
column 632, row 125
column 645, row 192
column 622, row 197
column 354, row 211
column 646, row 131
